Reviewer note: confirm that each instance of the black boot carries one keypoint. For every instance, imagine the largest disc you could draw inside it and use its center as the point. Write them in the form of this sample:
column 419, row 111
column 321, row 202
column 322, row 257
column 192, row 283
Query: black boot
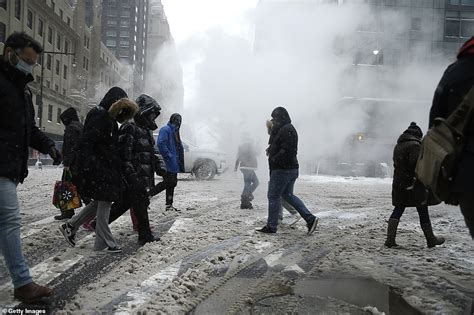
column 65, row 215
column 245, row 203
column 391, row 233
column 431, row 239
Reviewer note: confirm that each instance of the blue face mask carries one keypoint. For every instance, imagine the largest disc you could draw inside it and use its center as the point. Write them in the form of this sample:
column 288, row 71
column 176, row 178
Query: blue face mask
column 24, row 67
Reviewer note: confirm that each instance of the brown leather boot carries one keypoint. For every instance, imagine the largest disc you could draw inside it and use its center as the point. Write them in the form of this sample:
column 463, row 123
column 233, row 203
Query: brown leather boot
column 31, row 292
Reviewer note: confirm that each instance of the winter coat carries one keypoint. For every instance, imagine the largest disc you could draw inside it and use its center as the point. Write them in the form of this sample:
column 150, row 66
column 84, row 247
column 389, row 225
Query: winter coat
column 171, row 148
column 246, row 156
column 72, row 135
column 283, row 143
column 99, row 165
column 457, row 80
column 406, row 191
column 136, row 146
column 18, row 129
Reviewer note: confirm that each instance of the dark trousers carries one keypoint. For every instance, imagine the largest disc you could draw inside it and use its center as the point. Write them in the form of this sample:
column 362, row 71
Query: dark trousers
column 170, row 180
column 250, row 182
column 466, row 203
column 139, row 201
column 422, row 213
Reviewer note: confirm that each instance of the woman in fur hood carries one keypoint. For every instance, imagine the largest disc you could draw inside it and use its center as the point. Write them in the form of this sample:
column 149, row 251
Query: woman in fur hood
column 99, row 167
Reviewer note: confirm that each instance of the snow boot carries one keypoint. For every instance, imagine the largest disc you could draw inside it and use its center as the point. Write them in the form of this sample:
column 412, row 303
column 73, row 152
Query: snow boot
column 171, row 208
column 65, row 215
column 245, row 203
column 391, row 233
column 431, row 239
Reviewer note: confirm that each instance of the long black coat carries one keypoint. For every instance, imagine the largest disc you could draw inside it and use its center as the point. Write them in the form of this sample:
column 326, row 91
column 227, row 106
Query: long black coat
column 454, row 85
column 136, row 146
column 18, row 130
column 72, row 136
column 407, row 192
column 283, row 144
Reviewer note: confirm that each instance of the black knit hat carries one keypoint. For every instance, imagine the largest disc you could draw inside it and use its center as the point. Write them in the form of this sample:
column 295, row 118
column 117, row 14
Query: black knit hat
column 414, row 130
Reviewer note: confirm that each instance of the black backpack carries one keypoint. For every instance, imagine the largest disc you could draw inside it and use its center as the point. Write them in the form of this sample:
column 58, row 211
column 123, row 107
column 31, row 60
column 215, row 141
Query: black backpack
column 441, row 150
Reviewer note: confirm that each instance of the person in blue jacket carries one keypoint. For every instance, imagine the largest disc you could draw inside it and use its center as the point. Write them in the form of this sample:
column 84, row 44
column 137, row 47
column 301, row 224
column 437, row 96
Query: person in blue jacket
column 171, row 149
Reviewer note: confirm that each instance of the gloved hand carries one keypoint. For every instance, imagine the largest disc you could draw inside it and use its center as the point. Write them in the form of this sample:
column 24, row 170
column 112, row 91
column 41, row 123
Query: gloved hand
column 55, row 155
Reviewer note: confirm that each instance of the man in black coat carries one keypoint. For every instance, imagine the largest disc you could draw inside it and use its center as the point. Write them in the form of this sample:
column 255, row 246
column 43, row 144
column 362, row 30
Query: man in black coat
column 284, row 170
column 72, row 135
column 406, row 191
column 457, row 80
column 18, row 131
column 136, row 147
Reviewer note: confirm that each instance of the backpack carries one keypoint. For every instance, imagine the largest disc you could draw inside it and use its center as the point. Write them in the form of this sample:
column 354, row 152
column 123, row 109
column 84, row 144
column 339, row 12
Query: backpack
column 441, row 150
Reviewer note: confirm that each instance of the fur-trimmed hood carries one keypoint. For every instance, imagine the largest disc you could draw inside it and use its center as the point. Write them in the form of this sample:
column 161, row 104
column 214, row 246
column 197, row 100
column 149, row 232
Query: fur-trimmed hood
column 123, row 110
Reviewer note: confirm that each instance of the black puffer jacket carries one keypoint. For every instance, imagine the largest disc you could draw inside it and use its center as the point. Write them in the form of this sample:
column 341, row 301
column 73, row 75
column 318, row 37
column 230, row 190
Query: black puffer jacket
column 137, row 152
column 99, row 166
column 407, row 192
column 18, row 130
column 457, row 80
column 283, row 142
column 72, row 135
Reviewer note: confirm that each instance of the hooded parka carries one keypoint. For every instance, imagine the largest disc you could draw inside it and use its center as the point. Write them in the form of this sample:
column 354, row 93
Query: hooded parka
column 72, row 135
column 283, row 142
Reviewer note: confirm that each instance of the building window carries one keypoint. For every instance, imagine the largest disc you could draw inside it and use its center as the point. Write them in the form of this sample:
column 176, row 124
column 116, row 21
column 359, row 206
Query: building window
column 57, row 67
column 112, row 12
column 3, row 4
column 50, row 35
column 68, row 21
column 64, row 91
column 111, row 22
column 53, row 5
column 58, row 116
column 65, row 72
column 40, row 27
column 459, row 24
column 87, row 42
column 66, row 46
column 111, row 33
column 125, row 13
column 50, row 113
column 416, row 24
column 2, row 32
column 111, row 43
column 58, row 41
column 48, row 84
column 85, row 64
column 56, row 88
column 125, row 23
column 48, row 62
column 467, row 2
column 18, row 9
column 29, row 20
column 61, row 14
column 124, row 43
column 124, row 33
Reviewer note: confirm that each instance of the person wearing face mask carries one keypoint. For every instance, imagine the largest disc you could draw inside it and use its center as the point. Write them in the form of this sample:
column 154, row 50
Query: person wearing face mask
column 136, row 147
column 99, row 168
column 284, row 169
column 18, row 131
column 171, row 149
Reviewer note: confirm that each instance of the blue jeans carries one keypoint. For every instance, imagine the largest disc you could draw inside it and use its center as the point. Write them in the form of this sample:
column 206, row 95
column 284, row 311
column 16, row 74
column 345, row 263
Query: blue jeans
column 10, row 241
column 281, row 185
column 250, row 182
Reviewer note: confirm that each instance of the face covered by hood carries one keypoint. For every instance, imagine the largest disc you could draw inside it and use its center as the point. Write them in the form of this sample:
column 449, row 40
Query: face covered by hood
column 112, row 96
column 68, row 116
column 467, row 49
column 280, row 117
column 118, row 105
column 176, row 120
column 149, row 110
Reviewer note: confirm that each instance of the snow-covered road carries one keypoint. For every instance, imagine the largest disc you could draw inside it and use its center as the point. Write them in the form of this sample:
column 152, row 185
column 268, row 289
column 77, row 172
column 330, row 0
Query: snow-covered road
column 210, row 260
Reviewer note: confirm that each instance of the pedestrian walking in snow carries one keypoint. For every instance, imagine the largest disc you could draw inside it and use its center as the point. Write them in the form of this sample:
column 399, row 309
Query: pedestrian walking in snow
column 136, row 147
column 406, row 190
column 18, row 131
column 72, row 134
column 247, row 162
column 456, row 82
column 294, row 216
column 99, row 167
column 284, row 170
column 171, row 149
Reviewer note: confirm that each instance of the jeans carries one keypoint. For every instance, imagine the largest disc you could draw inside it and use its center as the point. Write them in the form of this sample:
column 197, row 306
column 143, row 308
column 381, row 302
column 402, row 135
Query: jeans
column 422, row 213
column 10, row 240
column 466, row 203
column 250, row 182
column 281, row 185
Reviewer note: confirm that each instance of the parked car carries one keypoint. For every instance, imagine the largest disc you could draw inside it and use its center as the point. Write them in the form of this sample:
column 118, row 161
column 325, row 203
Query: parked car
column 204, row 164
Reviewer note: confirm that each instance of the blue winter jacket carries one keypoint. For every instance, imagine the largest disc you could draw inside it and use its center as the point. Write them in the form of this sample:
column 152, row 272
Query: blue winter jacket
column 171, row 148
